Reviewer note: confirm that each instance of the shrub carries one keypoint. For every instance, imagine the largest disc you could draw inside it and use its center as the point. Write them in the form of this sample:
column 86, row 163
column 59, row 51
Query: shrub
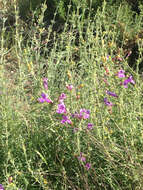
column 80, row 125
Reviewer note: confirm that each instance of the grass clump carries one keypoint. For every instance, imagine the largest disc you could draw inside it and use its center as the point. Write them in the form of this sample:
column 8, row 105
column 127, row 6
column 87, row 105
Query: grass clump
column 70, row 104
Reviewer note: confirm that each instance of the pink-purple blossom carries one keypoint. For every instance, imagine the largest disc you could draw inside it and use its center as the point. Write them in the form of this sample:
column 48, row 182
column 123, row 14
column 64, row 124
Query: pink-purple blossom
column 61, row 108
column 111, row 93
column 88, row 166
column 81, row 157
column 89, row 126
column 69, row 87
column 75, row 115
column 84, row 114
column 107, row 102
column 1, row 187
column 128, row 80
column 121, row 73
column 62, row 97
column 44, row 98
column 66, row 120
column 45, row 83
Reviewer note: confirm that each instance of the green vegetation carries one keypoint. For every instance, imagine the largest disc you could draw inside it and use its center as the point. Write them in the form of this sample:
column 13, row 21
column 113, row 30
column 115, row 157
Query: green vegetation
column 71, row 98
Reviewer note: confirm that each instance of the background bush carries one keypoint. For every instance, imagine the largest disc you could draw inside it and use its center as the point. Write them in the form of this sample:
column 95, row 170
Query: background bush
column 62, row 7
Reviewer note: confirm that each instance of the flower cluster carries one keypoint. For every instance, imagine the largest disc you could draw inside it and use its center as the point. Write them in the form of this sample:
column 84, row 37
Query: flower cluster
column 120, row 74
column 44, row 98
column 83, row 159
column 128, row 80
column 66, row 120
column 62, row 97
column 62, row 109
column 83, row 114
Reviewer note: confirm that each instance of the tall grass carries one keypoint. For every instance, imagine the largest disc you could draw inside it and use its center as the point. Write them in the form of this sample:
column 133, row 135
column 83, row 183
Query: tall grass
column 101, row 146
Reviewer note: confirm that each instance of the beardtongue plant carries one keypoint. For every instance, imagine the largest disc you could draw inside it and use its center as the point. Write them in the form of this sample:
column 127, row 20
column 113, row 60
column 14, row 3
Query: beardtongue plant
column 83, row 115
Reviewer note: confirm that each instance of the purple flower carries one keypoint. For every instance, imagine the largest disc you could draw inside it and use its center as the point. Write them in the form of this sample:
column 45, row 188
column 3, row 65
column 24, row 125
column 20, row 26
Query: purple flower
column 45, row 83
column 121, row 74
column 88, row 166
column 84, row 114
column 66, row 120
column 128, row 80
column 61, row 108
column 44, row 98
column 75, row 115
column 75, row 130
column 107, row 102
column 111, row 93
column 89, row 126
column 69, row 87
column 62, row 97
column 81, row 157
column 131, row 80
column 1, row 187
